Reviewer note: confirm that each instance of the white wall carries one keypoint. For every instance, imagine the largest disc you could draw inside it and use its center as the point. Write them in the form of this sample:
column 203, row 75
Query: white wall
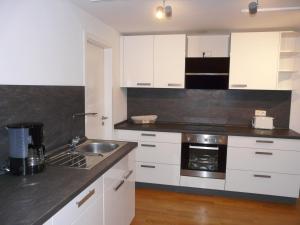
column 295, row 105
column 41, row 43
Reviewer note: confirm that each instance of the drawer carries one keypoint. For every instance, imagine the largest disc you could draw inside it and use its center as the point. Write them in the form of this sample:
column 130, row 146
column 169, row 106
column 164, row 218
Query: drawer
column 264, row 143
column 156, row 152
column 157, row 173
column 69, row 213
column 147, row 136
column 267, row 160
column 262, row 183
column 199, row 182
column 127, row 135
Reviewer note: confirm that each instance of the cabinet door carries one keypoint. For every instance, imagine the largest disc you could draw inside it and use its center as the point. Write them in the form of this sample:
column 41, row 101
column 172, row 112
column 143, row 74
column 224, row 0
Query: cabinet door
column 138, row 61
column 169, row 61
column 254, row 60
column 210, row 45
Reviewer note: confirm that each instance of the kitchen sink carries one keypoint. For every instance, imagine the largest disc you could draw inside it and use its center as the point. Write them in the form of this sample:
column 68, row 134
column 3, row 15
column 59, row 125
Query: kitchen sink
column 97, row 148
column 85, row 156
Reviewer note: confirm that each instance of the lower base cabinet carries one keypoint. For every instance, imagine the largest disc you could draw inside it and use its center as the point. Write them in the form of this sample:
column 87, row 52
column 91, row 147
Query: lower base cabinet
column 119, row 192
column 110, row 200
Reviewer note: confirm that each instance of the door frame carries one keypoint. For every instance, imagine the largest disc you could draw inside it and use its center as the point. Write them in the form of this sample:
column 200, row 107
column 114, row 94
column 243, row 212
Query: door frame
column 108, row 76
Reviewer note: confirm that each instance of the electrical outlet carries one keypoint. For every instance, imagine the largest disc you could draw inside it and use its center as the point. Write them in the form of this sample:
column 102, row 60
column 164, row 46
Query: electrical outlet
column 260, row 112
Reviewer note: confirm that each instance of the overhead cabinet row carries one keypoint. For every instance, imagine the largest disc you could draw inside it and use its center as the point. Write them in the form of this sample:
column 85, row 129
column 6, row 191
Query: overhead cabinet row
column 153, row 61
column 258, row 60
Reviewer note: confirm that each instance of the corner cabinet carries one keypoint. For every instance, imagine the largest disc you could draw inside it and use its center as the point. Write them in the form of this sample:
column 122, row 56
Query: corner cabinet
column 153, row 61
column 264, row 60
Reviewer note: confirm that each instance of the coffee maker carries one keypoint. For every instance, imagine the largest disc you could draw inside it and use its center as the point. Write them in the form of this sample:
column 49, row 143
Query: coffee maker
column 26, row 149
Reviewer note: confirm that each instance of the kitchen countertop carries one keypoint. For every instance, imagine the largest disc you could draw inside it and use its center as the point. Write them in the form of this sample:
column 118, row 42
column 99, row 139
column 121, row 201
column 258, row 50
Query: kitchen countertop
column 209, row 129
column 32, row 200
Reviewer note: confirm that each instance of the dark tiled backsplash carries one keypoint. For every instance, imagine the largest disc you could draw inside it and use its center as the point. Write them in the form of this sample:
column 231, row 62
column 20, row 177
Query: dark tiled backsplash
column 51, row 105
column 229, row 107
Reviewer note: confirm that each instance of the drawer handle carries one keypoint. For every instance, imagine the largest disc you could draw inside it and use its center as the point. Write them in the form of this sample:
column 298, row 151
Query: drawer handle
column 148, row 135
column 143, row 84
column 264, row 142
column 239, row 85
column 147, row 166
column 129, row 174
column 146, row 145
column 119, row 185
column 263, row 153
column 85, row 198
column 262, row 176
column 174, row 85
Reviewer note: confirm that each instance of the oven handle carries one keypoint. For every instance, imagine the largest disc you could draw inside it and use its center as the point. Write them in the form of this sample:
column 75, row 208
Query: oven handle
column 203, row 147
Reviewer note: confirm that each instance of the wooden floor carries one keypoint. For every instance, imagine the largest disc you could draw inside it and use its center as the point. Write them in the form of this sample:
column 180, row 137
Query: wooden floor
column 159, row 207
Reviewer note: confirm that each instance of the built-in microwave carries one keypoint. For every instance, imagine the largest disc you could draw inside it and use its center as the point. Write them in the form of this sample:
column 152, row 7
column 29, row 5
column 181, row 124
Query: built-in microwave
column 207, row 73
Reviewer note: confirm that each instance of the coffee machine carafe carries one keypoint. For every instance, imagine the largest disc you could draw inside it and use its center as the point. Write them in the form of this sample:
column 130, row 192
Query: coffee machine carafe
column 26, row 149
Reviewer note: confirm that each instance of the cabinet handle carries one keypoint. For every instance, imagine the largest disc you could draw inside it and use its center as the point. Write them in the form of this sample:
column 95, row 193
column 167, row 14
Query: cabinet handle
column 262, row 176
column 239, row 85
column 129, row 174
column 263, row 153
column 147, row 166
column 146, row 145
column 149, row 135
column 264, row 142
column 85, row 198
column 143, row 84
column 174, row 85
column 119, row 185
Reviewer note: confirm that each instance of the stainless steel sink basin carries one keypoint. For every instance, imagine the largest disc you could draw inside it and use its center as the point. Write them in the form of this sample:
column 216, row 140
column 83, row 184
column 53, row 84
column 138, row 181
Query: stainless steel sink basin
column 84, row 156
column 97, row 148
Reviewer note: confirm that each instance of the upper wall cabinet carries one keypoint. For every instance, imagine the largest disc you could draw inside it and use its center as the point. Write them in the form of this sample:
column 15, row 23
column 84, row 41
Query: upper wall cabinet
column 254, row 60
column 208, row 46
column 169, row 61
column 137, row 61
column 153, row 61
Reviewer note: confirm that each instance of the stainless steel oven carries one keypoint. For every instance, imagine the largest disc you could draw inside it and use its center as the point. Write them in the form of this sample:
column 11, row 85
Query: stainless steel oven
column 203, row 155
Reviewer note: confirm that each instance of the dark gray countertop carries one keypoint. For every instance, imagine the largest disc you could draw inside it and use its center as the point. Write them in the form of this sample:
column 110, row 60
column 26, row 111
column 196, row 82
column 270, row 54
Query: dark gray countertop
column 32, row 200
column 209, row 129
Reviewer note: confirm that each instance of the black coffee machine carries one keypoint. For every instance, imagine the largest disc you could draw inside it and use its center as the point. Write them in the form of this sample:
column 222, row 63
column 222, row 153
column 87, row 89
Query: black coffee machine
column 26, row 149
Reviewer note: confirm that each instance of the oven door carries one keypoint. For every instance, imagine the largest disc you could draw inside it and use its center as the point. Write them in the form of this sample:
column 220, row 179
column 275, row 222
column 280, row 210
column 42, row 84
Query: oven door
column 202, row 160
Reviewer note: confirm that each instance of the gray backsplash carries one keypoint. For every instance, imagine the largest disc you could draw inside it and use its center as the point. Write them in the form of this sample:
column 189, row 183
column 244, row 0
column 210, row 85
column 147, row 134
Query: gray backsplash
column 51, row 105
column 231, row 107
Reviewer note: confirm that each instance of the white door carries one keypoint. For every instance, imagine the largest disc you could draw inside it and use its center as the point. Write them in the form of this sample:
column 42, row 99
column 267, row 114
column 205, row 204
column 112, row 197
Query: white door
column 169, row 61
column 95, row 92
column 254, row 60
column 138, row 61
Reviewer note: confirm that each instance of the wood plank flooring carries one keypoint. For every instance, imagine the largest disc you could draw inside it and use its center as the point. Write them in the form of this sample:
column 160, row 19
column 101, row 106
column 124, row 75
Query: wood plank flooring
column 160, row 207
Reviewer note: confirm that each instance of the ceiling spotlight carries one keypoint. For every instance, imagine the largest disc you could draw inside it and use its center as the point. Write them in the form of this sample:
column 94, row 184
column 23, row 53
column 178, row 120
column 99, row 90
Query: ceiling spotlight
column 163, row 11
column 253, row 7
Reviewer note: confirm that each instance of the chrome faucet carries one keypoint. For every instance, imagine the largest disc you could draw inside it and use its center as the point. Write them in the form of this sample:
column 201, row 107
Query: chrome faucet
column 74, row 142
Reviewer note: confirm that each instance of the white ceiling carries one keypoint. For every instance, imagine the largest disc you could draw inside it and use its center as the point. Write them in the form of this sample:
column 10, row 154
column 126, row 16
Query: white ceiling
column 137, row 16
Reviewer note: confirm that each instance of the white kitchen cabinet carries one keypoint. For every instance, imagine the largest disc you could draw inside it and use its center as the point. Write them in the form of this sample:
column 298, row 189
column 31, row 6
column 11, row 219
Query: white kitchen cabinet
column 153, row 61
column 85, row 209
column 254, row 60
column 268, row 166
column 209, row 45
column 49, row 222
column 169, row 61
column 119, row 189
column 157, row 173
column 137, row 61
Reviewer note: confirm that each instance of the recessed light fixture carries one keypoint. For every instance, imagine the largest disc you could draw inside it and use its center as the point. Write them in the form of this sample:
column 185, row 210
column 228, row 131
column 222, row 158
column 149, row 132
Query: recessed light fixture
column 163, row 11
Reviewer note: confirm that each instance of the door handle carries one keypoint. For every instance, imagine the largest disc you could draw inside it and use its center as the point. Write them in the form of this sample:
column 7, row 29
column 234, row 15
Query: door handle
column 174, row 85
column 119, row 185
column 203, row 147
column 104, row 118
column 147, row 166
column 239, row 85
column 85, row 198
column 263, row 153
column 143, row 84
column 264, row 141
column 262, row 176
column 146, row 145
column 148, row 135
column 129, row 174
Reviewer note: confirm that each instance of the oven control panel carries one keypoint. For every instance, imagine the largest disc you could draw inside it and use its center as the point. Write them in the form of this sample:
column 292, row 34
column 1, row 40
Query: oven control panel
column 204, row 139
